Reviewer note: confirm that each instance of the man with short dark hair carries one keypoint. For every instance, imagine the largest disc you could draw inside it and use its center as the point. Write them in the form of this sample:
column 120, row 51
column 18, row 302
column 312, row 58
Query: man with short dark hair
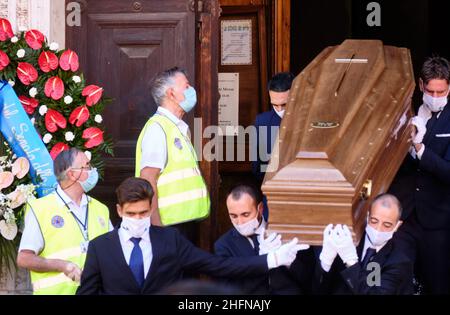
column 59, row 226
column 119, row 261
column 376, row 266
column 279, row 87
column 267, row 125
column 423, row 182
column 247, row 239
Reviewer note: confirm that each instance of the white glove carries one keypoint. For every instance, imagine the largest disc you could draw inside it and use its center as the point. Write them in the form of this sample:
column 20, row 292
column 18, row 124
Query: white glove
column 285, row 255
column 329, row 252
column 343, row 242
column 72, row 271
column 420, row 124
column 271, row 243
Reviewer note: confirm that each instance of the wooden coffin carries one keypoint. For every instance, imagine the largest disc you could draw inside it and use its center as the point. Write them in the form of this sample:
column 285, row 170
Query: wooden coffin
column 342, row 139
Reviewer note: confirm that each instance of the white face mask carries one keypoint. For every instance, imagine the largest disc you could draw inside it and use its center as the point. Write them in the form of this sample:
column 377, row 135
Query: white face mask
column 378, row 238
column 136, row 227
column 280, row 113
column 435, row 104
column 248, row 228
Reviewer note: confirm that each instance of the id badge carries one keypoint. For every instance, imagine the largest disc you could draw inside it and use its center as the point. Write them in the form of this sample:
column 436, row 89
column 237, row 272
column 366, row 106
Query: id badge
column 84, row 247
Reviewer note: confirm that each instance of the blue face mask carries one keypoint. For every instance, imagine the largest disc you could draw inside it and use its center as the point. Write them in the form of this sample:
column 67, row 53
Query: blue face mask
column 91, row 181
column 190, row 99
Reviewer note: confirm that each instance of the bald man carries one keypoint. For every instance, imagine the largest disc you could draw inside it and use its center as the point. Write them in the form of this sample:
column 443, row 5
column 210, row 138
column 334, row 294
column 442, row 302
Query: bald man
column 376, row 265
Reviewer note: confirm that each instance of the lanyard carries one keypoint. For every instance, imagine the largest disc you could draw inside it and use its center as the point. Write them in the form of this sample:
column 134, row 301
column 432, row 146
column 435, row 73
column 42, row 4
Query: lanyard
column 84, row 230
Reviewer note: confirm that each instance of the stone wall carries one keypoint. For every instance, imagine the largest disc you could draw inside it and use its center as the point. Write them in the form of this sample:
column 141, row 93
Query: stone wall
column 47, row 16
column 18, row 282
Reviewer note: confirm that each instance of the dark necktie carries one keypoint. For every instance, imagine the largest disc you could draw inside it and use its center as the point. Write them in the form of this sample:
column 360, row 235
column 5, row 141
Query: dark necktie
column 137, row 261
column 432, row 120
column 369, row 254
column 430, row 125
column 254, row 238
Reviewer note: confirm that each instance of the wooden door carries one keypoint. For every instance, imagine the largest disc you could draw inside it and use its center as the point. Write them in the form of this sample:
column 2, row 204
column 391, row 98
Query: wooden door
column 122, row 44
column 253, row 96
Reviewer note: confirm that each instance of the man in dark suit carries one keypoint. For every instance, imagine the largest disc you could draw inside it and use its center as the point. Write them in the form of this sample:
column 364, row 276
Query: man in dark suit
column 247, row 239
column 268, row 123
column 423, row 182
column 138, row 258
column 383, row 267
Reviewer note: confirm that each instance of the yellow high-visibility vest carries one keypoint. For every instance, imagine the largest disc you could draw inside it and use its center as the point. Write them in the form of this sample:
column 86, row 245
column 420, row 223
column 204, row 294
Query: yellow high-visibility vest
column 63, row 239
column 182, row 192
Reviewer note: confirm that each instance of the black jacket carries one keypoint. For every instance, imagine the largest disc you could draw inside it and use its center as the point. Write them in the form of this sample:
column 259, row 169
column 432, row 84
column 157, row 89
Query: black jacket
column 265, row 140
column 294, row 280
column 424, row 185
column 106, row 271
column 396, row 274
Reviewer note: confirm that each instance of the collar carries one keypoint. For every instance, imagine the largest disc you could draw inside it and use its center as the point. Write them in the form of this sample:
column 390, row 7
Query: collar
column 68, row 200
column 125, row 235
column 164, row 111
column 179, row 122
column 368, row 244
column 261, row 227
column 278, row 113
column 425, row 113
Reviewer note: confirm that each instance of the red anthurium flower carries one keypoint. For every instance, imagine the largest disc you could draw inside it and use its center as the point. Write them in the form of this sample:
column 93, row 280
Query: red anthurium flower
column 48, row 61
column 57, row 149
column 34, row 39
column 79, row 116
column 69, row 60
column 53, row 120
column 94, row 137
column 4, row 60
column 5, row 30
column 26, row 73
column 93, row 94
column 29, row 104
column 54, row 88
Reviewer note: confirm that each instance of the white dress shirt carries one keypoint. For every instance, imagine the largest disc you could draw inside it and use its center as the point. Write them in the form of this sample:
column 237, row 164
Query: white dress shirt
column 154, row 143
column 32, row 238
column 145, row 245
column 368, row 244
column 258, row 232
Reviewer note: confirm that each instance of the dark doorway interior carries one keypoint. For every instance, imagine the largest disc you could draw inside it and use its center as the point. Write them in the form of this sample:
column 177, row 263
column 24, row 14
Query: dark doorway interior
column 420, row 25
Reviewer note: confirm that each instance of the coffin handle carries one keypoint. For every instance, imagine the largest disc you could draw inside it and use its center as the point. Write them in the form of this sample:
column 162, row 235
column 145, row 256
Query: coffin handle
column 366, row 190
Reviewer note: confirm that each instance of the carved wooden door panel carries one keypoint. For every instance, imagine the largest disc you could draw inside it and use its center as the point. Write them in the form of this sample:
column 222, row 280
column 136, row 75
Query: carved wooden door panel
column 122, row 45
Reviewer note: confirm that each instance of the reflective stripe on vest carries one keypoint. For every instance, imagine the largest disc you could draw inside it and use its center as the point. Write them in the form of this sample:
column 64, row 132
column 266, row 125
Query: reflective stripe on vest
column 164, row 202
column 182, row 192
column 48, row 282
column 63, row 239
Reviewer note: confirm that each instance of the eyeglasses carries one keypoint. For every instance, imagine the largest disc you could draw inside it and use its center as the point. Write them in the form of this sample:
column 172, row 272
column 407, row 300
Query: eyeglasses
column 88, row 167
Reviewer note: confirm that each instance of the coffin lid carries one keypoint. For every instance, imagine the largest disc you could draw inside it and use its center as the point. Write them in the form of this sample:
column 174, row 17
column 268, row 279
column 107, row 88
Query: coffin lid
column 342, row 110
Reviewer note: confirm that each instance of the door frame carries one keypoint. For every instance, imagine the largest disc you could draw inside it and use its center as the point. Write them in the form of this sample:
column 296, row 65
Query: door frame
column 207, row 56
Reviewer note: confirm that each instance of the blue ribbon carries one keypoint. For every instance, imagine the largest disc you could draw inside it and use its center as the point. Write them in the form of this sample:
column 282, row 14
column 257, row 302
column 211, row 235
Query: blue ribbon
column 24, row 141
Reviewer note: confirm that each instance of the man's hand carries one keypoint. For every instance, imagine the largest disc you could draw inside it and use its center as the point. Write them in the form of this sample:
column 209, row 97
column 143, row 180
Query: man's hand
column 418, row 131
column 285, row 255
column 269, row 244
column 343, row 242
column 72, row 271
column 329, row 251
